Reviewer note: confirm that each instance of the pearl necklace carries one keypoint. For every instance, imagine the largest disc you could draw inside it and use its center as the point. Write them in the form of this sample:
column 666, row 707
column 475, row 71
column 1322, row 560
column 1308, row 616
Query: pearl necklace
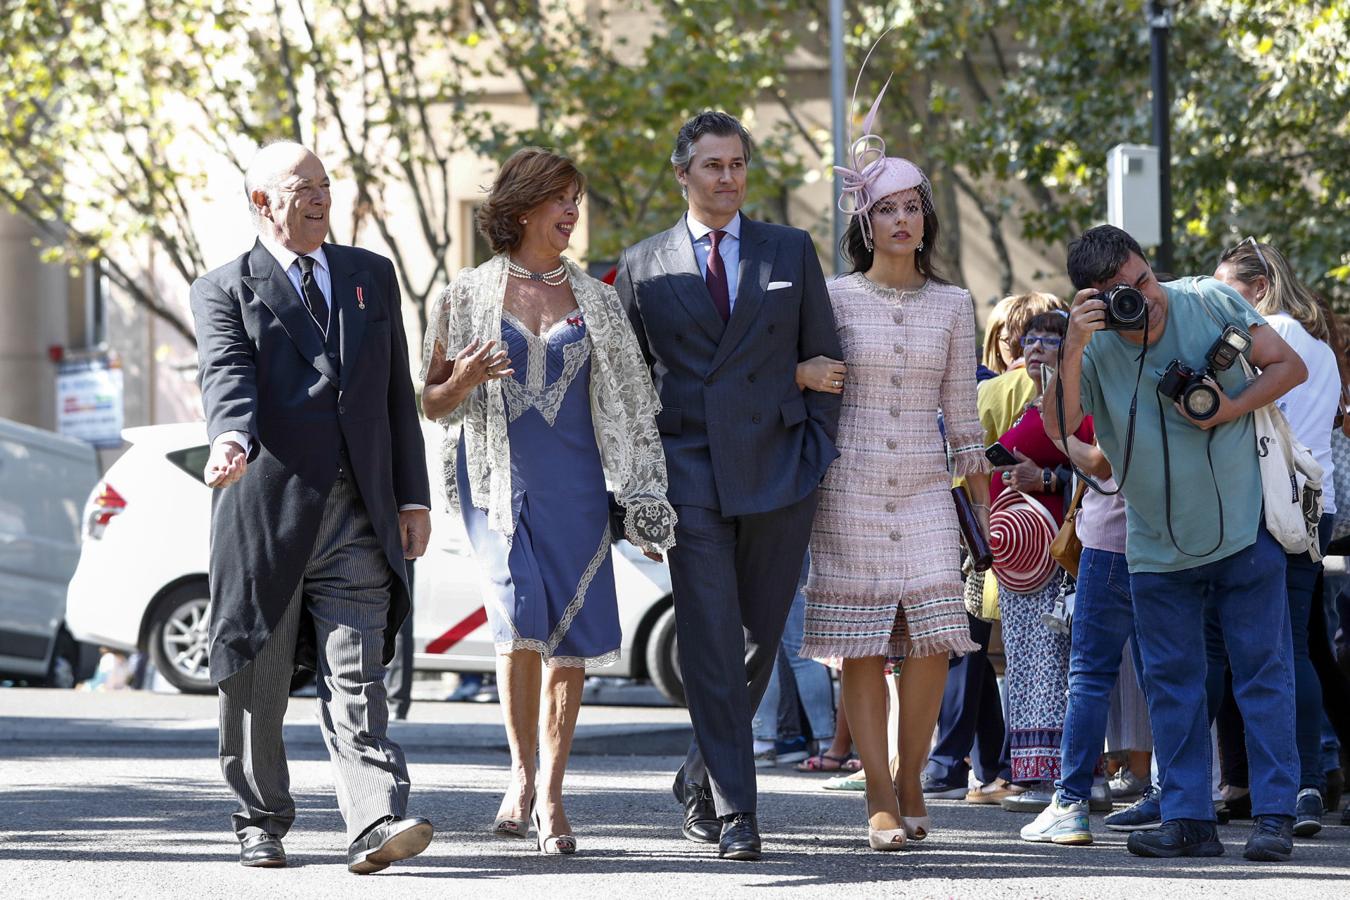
column 552, row 278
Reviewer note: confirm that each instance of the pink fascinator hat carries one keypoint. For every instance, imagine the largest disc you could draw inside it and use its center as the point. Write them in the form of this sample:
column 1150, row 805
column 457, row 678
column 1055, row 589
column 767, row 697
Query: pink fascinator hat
column 871, row 174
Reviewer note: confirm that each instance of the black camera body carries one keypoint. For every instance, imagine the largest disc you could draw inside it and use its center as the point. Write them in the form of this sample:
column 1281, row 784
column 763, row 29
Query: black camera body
column 1188, row 387
column 1126, row 309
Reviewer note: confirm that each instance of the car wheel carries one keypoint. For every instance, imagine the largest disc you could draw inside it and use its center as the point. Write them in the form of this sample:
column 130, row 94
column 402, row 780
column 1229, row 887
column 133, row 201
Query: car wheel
column 663, row 660
column 178, row 638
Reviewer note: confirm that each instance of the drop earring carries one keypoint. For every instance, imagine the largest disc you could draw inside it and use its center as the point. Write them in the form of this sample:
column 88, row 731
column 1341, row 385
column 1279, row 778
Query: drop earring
column 919, row 249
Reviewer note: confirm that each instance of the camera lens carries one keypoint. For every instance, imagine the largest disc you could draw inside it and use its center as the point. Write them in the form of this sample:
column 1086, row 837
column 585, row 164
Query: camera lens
column 1127, row 304
column 1200, row 401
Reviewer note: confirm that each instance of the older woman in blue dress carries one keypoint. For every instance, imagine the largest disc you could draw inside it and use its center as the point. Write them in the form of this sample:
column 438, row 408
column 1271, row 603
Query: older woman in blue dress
column 532, row 367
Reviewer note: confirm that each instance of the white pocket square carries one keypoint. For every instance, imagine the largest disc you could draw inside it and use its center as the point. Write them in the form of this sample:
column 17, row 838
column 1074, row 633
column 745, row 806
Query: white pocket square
column 775, row 285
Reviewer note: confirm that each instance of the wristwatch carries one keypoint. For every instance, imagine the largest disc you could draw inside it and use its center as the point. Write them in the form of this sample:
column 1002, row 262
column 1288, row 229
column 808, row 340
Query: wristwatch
column 1046, row 477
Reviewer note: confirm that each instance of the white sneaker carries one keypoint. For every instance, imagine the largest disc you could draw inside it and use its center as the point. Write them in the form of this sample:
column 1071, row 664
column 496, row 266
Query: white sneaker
column 1060, row 823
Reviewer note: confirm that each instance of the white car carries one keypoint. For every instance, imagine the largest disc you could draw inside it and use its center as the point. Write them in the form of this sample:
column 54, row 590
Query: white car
column 141, row 580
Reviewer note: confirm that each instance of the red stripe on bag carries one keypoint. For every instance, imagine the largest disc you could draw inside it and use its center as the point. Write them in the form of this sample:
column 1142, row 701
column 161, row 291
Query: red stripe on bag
column 459, row 632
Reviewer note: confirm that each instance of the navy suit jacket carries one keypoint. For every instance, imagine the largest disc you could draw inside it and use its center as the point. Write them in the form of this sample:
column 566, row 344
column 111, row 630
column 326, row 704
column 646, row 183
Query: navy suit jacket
column 739, row 435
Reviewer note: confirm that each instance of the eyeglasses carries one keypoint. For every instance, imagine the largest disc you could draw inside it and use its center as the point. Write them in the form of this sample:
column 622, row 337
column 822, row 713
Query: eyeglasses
column 1046, row 341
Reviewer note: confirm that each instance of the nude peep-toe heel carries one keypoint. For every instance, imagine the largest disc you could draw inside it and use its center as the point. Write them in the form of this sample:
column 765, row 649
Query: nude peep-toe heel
column 560, row 844
column 917, row 827
column 506, row 826
column 884, row 839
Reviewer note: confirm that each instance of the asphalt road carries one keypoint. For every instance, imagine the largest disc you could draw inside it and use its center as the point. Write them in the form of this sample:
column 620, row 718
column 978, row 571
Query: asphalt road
column 139, row 810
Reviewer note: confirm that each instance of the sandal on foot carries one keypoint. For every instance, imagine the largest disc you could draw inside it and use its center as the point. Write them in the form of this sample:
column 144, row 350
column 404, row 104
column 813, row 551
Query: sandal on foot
column 818, row 763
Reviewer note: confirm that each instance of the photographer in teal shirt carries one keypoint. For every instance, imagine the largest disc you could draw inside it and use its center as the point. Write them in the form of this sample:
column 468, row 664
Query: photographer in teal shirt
column 1208, row 544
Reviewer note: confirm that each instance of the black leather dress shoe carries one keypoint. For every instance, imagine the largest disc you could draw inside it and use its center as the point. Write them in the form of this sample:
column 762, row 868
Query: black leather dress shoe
column 388, row 841
column 262, row 851
column 701, row 824
column 740, row 837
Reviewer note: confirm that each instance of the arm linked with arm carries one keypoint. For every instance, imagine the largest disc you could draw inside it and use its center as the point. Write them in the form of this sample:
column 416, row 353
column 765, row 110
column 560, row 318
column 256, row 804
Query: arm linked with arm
column 818, row 336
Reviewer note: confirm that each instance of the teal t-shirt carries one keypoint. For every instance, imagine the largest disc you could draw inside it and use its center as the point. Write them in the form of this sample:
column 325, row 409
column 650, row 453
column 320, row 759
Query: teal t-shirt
column 1195, row 310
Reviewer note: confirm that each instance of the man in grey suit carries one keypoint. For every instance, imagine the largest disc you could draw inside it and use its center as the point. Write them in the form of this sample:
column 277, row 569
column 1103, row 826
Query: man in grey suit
column 725, row 307
column 321, row 478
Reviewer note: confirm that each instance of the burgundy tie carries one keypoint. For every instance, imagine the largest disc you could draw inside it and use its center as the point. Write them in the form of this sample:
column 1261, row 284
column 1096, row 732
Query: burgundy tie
column 717, row 278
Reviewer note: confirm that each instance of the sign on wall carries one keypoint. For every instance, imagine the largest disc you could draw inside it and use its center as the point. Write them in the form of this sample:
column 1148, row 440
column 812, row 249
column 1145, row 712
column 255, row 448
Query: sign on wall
column 89, row 401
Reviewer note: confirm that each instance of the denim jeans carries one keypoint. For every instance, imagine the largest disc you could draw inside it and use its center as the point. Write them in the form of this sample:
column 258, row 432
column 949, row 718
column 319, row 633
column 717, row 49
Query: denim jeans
column 1300, row 581
column 1103, row 620
column 1248, row 591
column 812, row 679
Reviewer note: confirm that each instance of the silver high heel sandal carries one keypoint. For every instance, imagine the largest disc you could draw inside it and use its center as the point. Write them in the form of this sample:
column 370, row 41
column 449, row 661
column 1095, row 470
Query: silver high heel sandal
column 561, row 844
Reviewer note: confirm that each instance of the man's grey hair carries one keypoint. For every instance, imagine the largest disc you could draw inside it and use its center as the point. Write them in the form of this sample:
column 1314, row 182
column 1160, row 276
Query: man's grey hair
column 709, row 121
column 264, row 173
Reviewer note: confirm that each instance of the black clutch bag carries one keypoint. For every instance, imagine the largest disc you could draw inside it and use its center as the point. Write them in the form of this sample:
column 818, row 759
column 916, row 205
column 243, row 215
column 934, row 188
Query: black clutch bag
column 977, row 545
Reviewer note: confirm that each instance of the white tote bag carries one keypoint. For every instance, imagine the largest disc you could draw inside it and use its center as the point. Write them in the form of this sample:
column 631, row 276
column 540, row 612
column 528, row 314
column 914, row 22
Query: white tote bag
column 1291, row 481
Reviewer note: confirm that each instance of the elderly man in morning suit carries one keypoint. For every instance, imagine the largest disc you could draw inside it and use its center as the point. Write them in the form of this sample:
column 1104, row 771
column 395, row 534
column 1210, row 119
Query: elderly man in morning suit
column 725, row 308
column 321, row 494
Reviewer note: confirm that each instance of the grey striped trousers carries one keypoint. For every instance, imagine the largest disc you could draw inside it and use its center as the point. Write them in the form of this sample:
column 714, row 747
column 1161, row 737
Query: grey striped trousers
column 346, row 592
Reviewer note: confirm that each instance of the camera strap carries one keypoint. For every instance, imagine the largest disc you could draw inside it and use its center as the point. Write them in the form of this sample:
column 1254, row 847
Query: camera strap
column 1167, row 484
column 1129, row 429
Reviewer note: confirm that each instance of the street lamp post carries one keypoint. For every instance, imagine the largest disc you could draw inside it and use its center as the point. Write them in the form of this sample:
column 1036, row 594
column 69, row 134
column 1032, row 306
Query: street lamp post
column 1160, row 21
column 839, row 119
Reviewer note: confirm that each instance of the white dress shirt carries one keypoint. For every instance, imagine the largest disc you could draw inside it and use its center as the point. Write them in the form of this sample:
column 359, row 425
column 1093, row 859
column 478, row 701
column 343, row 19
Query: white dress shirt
column 729, row 249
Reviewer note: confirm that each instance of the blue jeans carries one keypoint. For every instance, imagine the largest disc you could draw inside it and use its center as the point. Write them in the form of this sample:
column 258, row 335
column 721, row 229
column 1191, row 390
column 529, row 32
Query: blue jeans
column 1247, row 589
column 1300, row 582
column 812, row 679
column 1103, row 620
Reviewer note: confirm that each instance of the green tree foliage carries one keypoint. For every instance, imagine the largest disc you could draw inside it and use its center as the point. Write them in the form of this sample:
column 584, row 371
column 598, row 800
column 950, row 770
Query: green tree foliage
column 1018, row 101
column 113, row 111
column 116, row 112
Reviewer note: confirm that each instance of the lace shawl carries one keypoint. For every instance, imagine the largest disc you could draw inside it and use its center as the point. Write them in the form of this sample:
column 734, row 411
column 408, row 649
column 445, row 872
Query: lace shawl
column 624, row 404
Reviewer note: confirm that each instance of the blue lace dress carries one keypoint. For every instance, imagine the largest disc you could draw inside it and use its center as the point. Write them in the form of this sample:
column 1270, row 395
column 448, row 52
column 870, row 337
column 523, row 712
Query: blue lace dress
column 551, row 586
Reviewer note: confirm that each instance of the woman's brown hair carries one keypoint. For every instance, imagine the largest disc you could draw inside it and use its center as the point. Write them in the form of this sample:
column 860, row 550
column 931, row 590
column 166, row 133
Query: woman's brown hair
column 528, row 178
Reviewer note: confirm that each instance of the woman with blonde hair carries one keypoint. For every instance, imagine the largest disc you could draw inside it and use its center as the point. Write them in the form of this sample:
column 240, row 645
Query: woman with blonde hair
column 1007, row 320
column 535, row 432
column 1263, row 277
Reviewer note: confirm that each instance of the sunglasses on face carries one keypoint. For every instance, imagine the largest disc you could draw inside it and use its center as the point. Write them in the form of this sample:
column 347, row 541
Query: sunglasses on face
column 1046, row 341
